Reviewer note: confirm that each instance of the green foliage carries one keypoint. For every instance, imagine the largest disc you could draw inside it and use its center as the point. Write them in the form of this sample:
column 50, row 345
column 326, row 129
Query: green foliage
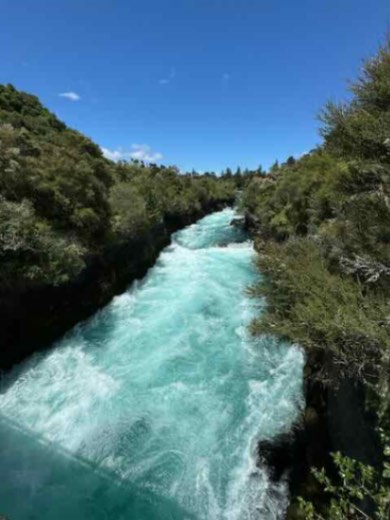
column 361, row 129
column 322, row 310
column 358, row 485
column 129, row 213
column 61, row 199
column 300, row 197
column 31, row 252
column 161, row 192
column 242, row 178
column 62, row 172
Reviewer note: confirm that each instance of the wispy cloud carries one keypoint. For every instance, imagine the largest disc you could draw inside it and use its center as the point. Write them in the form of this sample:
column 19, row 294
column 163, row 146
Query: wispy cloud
column 72, row 96
column 168, row 79
column 139, row 152
column 143, row 152
column 115, row 155
column 226, row 77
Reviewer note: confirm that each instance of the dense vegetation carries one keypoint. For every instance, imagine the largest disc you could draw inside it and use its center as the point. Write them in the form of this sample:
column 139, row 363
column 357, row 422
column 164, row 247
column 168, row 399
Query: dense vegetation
column 323, row 236
column 61, row 200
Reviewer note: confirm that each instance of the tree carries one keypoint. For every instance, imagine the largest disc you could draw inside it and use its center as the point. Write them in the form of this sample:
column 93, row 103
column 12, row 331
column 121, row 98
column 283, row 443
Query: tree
column 290, row 161
column 275, row 167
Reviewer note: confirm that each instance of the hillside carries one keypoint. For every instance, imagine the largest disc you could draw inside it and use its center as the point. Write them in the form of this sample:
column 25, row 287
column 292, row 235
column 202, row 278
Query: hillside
column 74, row 226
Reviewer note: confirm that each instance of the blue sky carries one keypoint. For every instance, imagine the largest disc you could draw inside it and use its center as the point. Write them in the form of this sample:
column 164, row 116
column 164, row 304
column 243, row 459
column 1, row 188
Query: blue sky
column 203, row 84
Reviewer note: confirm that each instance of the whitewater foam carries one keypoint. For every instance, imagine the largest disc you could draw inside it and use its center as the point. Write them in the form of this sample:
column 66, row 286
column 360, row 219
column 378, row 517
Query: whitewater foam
column 166, row 389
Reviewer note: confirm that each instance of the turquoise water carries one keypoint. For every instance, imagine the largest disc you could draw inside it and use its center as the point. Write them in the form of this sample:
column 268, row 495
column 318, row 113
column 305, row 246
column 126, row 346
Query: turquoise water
column 152, row 409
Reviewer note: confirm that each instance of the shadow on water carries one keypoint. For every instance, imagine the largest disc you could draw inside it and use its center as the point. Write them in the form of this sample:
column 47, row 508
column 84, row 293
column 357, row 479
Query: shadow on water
column 40, row 480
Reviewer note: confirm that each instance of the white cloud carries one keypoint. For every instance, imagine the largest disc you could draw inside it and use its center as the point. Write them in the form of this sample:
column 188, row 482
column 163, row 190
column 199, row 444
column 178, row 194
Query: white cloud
column 143, row 152
column 114, row 155
column 139, row 152
column 72, row 96
column 168, row 79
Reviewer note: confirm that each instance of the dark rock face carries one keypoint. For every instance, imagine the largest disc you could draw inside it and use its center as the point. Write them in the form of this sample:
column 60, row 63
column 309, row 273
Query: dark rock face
column 238, row 223
column 251, row 223
column 32, row 320
column 351, row 425
column 277, row 455
column 335, row 419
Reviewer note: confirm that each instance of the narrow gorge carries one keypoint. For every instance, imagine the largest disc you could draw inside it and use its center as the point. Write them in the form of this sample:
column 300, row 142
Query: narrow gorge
column 155, row 406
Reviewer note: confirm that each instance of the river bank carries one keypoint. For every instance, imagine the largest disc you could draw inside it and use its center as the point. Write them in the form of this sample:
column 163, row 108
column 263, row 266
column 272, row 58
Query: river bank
column 335, row 418
column 33, row 319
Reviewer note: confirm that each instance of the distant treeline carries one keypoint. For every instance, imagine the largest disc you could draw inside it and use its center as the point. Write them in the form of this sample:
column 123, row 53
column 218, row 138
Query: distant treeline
column 242, row 177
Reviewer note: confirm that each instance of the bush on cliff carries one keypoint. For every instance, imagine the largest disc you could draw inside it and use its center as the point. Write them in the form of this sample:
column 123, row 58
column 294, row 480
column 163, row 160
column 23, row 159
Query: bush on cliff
column 323, row 310
column 31, row 251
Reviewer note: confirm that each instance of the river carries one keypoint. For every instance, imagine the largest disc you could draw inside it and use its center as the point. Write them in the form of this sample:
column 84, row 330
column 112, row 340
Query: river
column 153, row 408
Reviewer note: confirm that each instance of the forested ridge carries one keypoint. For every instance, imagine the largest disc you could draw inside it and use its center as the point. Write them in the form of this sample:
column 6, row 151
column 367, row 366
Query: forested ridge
column 322, row 226
column 61, row 200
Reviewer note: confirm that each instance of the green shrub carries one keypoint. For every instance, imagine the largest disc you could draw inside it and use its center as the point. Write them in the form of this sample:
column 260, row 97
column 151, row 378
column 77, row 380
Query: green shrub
column 30, row 252
column 322, row 310
column 357, row 484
